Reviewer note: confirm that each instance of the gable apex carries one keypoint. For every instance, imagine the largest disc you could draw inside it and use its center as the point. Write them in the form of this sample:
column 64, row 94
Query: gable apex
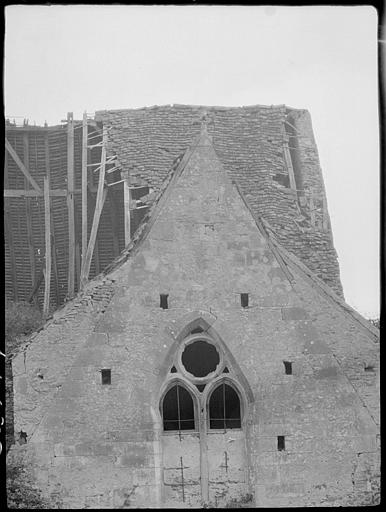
column 201, row 193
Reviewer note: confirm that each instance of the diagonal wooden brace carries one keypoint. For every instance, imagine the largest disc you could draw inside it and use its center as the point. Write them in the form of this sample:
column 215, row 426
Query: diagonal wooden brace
column 22, row 167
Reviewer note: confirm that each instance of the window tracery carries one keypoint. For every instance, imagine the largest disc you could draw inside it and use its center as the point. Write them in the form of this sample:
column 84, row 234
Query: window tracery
column 201, row 384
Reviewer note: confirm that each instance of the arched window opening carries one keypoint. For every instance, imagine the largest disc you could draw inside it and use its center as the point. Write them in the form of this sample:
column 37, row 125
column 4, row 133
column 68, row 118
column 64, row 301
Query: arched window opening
column 200, row 358
column 224, row 408
column 178, row 409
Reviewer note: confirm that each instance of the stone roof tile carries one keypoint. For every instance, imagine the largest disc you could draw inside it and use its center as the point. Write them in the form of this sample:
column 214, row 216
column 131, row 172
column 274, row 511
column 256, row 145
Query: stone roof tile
column 249, row 141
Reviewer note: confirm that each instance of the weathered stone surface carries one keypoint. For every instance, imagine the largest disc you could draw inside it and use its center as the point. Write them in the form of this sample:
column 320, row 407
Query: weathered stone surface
column 250, row 143
column 103, row 446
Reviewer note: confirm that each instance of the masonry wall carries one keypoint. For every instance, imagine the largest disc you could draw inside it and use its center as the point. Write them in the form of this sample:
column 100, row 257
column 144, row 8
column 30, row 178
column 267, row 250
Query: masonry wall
column 101, row 446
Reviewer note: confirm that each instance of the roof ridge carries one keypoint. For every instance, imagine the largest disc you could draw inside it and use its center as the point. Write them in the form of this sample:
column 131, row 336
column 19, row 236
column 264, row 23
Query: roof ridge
column 192, row 106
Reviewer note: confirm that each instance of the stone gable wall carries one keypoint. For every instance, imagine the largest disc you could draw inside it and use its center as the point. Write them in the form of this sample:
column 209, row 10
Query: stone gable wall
column 101, row 446
column 41, row 364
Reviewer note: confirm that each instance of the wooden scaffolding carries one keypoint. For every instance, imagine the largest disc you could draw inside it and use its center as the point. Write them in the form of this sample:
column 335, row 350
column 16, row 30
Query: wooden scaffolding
column 66, row 215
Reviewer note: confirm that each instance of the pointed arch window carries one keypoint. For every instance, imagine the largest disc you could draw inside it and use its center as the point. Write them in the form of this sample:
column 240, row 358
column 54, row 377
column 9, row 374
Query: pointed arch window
column 224, row 408
column 178, row 409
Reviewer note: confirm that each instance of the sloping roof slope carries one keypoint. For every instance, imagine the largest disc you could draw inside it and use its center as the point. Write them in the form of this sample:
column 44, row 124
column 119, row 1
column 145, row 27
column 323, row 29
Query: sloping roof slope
column 249, row 141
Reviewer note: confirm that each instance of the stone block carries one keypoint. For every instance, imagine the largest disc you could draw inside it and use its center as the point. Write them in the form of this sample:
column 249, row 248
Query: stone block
column 294, row 313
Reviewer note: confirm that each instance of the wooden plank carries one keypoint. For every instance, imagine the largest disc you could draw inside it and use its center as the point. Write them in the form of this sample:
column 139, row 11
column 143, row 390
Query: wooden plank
column 47, row 157
column 54, row 263
column 288, row 159
column 28, row 212
column 92, row 201
column 292, row 126
column 92, row 146
column 288, row 162
column 110, row 160
column 114, row 222
column 101, row 196
column 84, row 187
column 9, row 238
column 126, row 206
column 97, row 261
column 115, row 183
column 37, row 284
column 6, row 181
column 53, row 244
column 30, row 128
column 77, row 263
column 96, row 248
column 21, row 166
column 97, row 241
column 47, row 229
column 22, row 193
column 56, row 192
column 70, row 205
column 8, row 231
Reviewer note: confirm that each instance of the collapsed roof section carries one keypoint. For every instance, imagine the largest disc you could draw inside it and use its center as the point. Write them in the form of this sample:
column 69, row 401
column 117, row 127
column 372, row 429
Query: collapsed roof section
column 268, row 150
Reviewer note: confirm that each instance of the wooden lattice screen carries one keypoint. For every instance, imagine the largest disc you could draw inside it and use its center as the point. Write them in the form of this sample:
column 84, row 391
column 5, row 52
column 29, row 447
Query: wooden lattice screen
column 43, row 151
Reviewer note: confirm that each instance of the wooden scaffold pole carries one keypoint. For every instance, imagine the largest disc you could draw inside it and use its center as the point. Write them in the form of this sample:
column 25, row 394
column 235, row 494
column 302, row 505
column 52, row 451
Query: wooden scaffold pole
column 28, row 212
column 8, row 232
column 70, row 205
column 47, row 229
column 100, row 199
column 126, row 201
column 288, row 159
column 84, row 188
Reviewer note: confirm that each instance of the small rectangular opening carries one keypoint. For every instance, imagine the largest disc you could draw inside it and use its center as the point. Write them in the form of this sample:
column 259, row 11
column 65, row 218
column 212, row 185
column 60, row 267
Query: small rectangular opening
column 163, row 301
column 244, row 299
column 106, row 376
column 280, row 443
column 288, row 367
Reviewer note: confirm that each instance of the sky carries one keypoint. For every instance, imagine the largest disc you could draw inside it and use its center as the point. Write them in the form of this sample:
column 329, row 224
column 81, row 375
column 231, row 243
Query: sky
column 75, row 58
